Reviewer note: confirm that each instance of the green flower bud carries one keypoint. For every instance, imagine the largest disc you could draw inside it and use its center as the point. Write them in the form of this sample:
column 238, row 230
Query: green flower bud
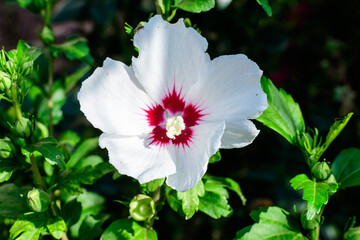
column 47, row 35
column 24, row 127
column 142, row 207
column 5, row 82
column 38, row 200
column 321, row 171
column 7, row 148
column 309, row 224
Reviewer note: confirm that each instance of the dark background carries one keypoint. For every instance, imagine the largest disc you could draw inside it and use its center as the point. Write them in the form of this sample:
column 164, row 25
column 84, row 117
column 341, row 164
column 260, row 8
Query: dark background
column 309, row 48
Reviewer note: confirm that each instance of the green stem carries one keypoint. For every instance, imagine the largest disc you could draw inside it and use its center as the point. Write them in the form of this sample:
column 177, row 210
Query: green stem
column 156, row 198
column 36, row 172
column 50, row 93
column 16, row 101
column 315, row 233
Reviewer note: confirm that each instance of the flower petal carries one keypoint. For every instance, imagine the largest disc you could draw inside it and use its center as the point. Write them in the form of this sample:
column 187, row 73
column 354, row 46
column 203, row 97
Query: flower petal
column 191, row 161
column 170, row 55
column 231, row 91
column 133, row 157
column 113, row 101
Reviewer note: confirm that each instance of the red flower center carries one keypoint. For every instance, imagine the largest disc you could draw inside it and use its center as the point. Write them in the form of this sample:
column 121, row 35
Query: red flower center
column 172, row 105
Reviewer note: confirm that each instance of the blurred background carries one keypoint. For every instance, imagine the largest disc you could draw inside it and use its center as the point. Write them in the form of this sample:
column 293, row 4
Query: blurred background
column 309, row 48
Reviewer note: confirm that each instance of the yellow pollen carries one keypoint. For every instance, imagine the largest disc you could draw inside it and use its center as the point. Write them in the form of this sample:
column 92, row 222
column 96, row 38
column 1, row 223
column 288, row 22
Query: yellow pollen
column 174, row 126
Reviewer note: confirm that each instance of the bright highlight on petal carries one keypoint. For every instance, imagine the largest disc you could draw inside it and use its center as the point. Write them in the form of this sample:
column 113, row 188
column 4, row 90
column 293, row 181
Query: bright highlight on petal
column 174, row 107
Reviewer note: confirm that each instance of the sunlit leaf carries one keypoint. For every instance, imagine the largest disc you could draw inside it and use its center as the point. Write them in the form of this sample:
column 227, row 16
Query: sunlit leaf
column 215, row 157
column 190, row 199
column 195, row 6
column 215, row 204
column 346, row 168
column 128, row 229
column 271, row 223
column 82, row 151
column 283, row 114
column 316, row 194
column 28, row 226
column 153, row 185
column 56, row 226
column 265, row 5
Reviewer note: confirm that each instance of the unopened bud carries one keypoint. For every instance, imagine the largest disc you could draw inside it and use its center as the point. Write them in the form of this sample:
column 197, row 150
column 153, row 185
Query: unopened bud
column 309, row 224
column 5, row 82
column 24, row 127
column 7, row 148
column 47, row 35
column 321, row 171
column 38, row 200
column 142, row 207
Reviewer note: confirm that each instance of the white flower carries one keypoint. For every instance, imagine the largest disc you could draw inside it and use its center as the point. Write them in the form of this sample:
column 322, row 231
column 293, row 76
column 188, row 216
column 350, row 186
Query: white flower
column 174, row 107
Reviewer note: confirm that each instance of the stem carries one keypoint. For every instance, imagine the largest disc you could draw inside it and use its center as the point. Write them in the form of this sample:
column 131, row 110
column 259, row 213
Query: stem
column 36, row 172
column 315, row 233
column 50, row 100
column 156, row 198
column 16, row 101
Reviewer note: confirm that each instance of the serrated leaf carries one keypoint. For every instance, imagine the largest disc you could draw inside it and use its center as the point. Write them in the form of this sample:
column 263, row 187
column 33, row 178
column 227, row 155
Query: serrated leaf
column 56, row 226
column 28, row 226
column 195, row 6
column 265, row 5
column 173, row 201
column 335, row 130
column 228, row 183
column 82, row 151
column 190, row 199
column 283, row 114
column 50, row 152
column 12, row 205
column 316, row 194
column 215, row 205
column 271, row 223
column 124, row 229
column 346, row 168
column 72, row 179
column 153, row 185
column 215, row 158
column 352, row 234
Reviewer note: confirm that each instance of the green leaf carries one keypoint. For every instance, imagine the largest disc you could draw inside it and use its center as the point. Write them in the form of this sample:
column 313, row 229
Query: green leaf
column 316, row 194
column 69, row 137
column 73, row 48
column 71, row 212
column 271, row 223
column 265, row 5
column 228, row 183
column 352, row 234
column 72, row 179
column 4, row 176
column 71, row 80
column 50, row 152
column 173, row 201
column 90, row 228
column 82, row 151
column 153, row 185
column 56, row 227
column 346, row 168
column 335, row 129
column 215, row 158
column 190, row 199
column 12, row 205
column 124, row 229
column 195, row 6
column 215, row 205
column 28, row 226
column 283, row 114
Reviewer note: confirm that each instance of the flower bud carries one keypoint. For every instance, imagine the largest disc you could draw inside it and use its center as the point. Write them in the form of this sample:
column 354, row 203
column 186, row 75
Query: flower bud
column 321, row 171
column 142, row 207
column 5, row 82
column 7, row 148
column 38, row 200
column 309, row 224
column 24, row 127
column 47, row 35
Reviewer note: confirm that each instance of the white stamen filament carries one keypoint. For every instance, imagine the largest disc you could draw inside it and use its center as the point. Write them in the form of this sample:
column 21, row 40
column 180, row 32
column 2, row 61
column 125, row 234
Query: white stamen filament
column 174, row 126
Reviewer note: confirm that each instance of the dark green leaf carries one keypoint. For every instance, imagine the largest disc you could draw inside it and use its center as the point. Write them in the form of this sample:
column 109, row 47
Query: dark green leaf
column 195, row 6
column 71, row 80
column 215, row 158
column 72, row 179
column 346, row 168
column 271, row 223
column 28, row 226
column 173, row 201
column 283, row 114
column 56, row 226
column 127, row 229
column 316, row 194
column 71, row 212
column 82, row 151
column 153, row 185
column 12, row 205
column 265, row 5
column 190, row 199
column 90, row 228
column 73, row 48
